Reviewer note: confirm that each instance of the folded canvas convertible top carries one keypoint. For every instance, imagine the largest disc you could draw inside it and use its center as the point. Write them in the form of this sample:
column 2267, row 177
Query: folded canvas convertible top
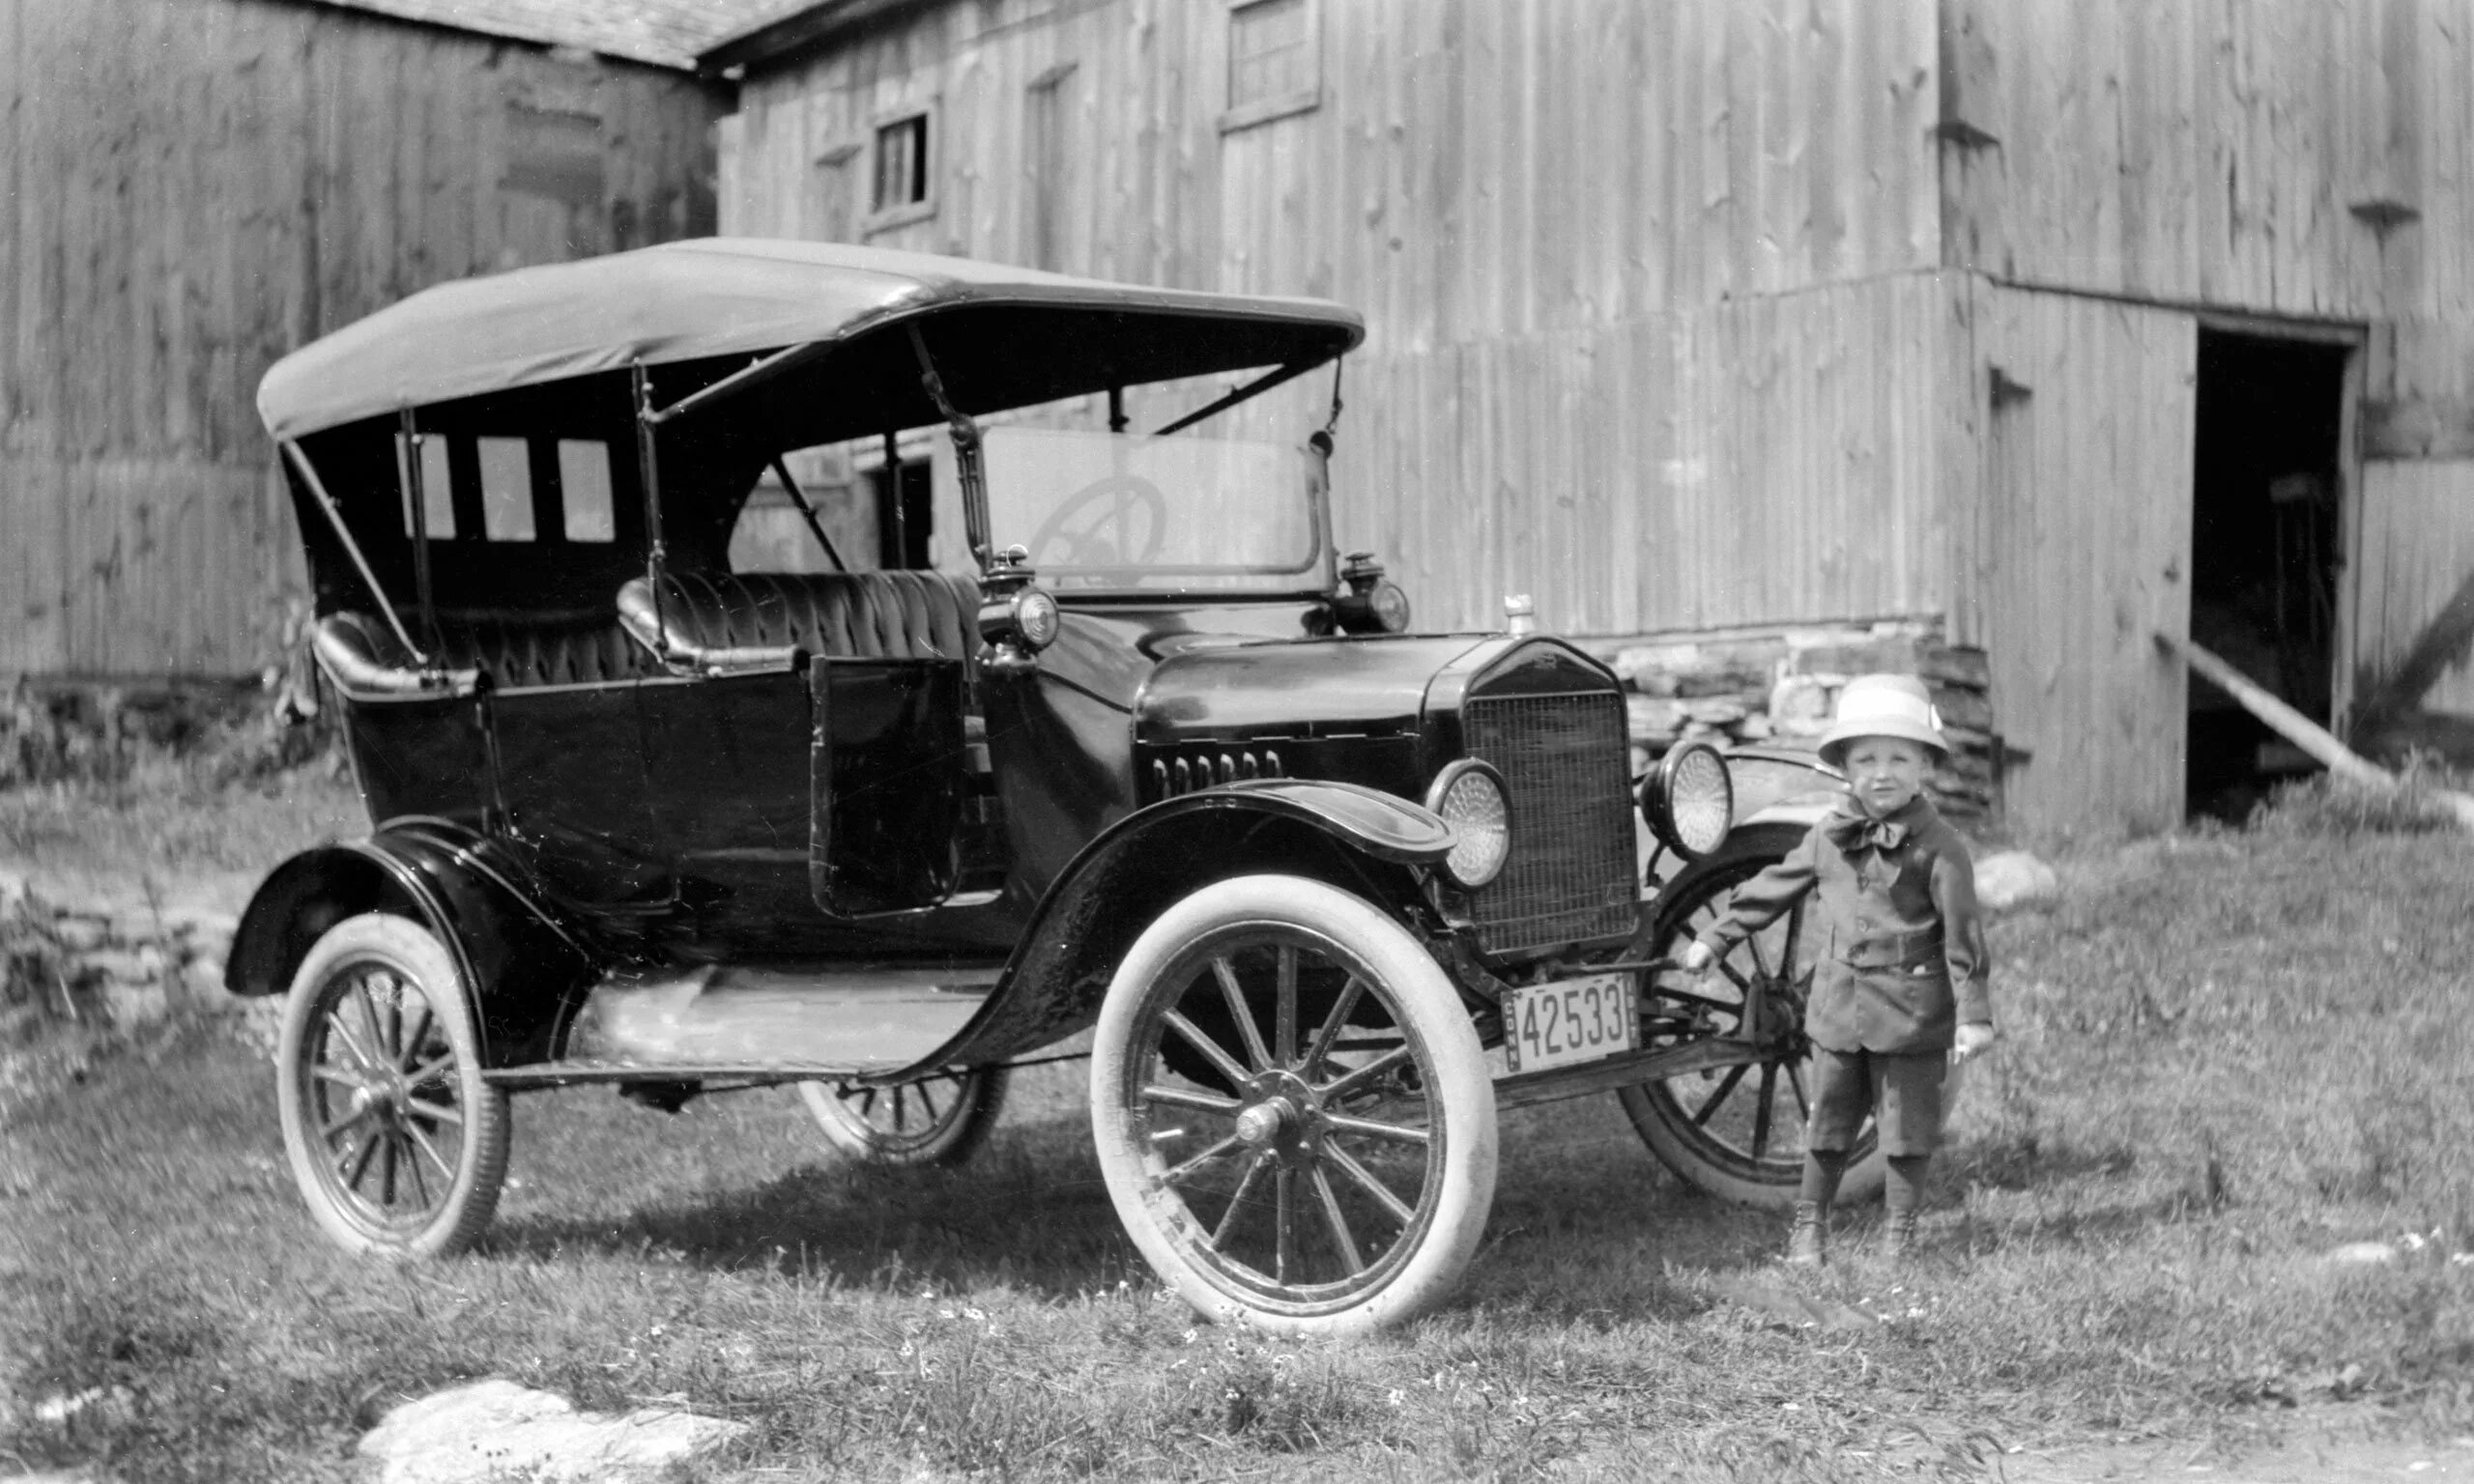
column 721, row 297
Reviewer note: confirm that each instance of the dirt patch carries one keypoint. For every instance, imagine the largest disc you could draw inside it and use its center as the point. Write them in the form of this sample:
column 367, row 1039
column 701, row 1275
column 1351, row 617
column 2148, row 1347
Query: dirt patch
column 2317, row 1455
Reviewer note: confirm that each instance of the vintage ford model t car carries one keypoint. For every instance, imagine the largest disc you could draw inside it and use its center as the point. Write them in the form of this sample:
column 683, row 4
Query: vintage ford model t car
column 1155, row 763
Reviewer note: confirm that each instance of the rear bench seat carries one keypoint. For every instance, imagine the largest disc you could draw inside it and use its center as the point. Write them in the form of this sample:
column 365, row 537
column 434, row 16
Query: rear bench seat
column 713, row 624
column 361, row 654
column 755, row 618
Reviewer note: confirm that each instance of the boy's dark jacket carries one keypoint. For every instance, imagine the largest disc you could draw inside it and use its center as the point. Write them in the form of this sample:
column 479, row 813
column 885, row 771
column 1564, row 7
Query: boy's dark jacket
column 1901, row 959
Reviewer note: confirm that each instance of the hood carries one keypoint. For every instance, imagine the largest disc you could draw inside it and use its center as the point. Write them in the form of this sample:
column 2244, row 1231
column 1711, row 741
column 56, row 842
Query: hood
column 1298, row 688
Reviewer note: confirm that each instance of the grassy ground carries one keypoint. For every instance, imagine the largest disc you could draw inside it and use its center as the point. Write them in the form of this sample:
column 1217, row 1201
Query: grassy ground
column 173, row 824
column 2226, row 1054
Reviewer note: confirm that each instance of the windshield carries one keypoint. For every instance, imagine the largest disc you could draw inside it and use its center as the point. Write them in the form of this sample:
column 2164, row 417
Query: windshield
column 1126, row 512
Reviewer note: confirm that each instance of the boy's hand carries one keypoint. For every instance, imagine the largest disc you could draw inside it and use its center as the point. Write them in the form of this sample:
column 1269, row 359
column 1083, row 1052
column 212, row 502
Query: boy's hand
column 1975, row 1038
column 1697, row 959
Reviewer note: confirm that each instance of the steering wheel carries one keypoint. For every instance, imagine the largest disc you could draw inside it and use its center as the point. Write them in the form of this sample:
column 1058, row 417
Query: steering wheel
column 1078, row 526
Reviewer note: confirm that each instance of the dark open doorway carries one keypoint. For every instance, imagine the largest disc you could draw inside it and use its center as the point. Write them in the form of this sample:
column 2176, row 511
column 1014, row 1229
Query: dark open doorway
column 2265, row 551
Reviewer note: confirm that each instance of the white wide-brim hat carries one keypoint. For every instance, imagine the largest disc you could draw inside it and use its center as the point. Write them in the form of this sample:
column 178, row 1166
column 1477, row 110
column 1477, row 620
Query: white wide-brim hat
column 1884, row 706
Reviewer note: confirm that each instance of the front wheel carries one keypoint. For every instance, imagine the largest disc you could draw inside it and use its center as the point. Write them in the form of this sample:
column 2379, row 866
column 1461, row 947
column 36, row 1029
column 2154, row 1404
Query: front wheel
column 397, row 1144
column 1292, row 1111
column 939, row 1120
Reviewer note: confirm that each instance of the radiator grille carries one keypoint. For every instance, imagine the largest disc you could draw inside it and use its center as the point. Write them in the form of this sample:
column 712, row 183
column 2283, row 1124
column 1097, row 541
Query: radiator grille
column 1571, row 871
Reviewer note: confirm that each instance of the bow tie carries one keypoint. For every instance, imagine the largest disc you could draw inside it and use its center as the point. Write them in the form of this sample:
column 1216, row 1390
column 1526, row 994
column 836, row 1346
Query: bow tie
column 1856, row 833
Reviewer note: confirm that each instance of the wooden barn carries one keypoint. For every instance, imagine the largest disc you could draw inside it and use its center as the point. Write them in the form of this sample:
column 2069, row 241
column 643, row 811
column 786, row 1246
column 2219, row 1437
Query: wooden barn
column 2016, row 330
column 197, row 186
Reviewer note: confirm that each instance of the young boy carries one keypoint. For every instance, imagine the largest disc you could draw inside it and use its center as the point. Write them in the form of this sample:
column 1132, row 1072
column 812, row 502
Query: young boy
column 1900, row 987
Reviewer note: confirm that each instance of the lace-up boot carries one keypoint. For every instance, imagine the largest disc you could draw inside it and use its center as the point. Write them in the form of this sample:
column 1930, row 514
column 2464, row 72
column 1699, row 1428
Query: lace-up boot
column 1808, row 1241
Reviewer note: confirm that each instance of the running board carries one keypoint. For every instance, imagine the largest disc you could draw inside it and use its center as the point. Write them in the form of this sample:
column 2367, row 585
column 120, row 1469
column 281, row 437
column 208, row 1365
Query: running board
column 759, row 1025
column 1617, row 1071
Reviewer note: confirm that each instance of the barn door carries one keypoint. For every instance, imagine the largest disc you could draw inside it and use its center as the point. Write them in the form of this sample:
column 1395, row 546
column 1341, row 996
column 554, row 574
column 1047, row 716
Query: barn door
column 2087, row 490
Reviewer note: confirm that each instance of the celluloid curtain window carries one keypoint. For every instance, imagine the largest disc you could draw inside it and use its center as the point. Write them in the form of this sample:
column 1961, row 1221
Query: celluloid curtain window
column 583, row 478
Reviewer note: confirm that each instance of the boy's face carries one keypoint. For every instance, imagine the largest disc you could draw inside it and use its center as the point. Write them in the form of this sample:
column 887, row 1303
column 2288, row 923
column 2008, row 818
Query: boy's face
column 1884, row 773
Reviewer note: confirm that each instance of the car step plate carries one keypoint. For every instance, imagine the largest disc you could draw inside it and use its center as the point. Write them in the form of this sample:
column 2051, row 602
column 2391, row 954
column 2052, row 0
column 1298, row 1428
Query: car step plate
column 868, row 1021
column 1570, row 1022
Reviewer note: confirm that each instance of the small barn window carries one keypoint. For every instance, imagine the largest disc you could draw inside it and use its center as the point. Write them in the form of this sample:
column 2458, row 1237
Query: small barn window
column 1274, row 61
column 904, row 185
column 584, row 479
column 507, row 489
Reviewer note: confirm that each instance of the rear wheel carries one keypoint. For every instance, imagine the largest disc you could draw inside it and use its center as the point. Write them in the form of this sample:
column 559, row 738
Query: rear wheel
column 938, row 1120
column 1738, row 1132
column 1330, row 1169
column 396, row 1143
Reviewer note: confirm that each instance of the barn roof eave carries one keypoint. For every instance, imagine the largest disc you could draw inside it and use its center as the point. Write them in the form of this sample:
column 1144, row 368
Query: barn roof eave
column 802, row 27
column 664, row 34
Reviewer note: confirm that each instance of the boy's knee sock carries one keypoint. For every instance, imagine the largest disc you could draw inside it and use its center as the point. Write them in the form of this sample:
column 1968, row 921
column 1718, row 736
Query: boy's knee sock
column 1905, row 1189
column 1823, row 1168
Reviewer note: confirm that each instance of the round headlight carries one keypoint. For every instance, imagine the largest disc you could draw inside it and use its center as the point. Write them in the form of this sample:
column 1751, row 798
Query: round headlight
column 1390, row 605
column 1035, row 618
column 1470, row 797
column 1690, row 799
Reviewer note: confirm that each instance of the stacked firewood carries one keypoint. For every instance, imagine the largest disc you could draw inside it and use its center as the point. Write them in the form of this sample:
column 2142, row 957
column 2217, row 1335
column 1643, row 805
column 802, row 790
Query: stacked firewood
column 1778, row 687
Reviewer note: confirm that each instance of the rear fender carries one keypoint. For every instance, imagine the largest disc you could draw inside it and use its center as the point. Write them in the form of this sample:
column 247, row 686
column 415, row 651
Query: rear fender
column 1358, row 839
column 520, row 964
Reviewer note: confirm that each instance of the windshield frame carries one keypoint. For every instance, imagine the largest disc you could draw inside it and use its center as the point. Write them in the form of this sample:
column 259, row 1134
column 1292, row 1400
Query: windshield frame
column 1288, row 483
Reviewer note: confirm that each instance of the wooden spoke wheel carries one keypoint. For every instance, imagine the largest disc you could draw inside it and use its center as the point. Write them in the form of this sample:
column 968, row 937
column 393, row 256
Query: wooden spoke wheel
column 938, row 1120
column 1738, row 1131
column 1293, row 1113
column 396, row 1143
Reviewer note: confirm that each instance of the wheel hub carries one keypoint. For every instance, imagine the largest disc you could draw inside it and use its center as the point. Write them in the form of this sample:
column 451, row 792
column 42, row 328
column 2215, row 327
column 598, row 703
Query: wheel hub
column 387, row 1096
column 1280, row 1115
column 1262, row 1123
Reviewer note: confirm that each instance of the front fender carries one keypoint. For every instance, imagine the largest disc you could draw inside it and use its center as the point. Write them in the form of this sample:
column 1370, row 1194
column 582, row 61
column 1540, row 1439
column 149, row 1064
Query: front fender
column 1359, row 838
column 521, row 965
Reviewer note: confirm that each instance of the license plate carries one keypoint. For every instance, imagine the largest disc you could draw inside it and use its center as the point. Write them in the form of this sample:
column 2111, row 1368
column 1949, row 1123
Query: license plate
column 1568, row 1022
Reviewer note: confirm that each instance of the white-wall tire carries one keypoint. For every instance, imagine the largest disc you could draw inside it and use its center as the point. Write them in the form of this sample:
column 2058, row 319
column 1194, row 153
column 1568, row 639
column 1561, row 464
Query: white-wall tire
column 1328, row 1172
column 396, row 1143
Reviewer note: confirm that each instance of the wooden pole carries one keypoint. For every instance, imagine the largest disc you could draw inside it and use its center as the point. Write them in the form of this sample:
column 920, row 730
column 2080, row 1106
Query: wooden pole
column 2299, row 730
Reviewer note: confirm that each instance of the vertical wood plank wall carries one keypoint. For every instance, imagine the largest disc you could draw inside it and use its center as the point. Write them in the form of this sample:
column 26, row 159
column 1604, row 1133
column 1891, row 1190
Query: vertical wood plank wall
column 1591, row 240
column 197, row 188
column 2087, row 485
column 2247, row 154
column 1771, row 458
column 2417, row 547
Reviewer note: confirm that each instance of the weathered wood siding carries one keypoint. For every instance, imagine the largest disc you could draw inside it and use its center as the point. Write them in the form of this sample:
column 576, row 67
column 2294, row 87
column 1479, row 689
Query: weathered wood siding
column 2415, row 548
column 2087, row 489
column 1589, row 237
column 2245, row 154
column 1774, row 459
column 1474, row 168
column 198, row 187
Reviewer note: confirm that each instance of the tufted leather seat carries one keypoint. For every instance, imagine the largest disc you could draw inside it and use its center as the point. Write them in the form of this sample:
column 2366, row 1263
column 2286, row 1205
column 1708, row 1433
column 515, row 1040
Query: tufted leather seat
column 363, row 654
column 737, row 617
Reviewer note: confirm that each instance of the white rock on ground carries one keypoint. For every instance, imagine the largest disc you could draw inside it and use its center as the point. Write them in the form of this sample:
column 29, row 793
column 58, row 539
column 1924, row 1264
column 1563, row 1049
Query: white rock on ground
column 498, row 1430
column 2012, row 878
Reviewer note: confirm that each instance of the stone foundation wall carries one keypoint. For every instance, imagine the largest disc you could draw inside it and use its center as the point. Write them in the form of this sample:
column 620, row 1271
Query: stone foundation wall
column 1778, row 687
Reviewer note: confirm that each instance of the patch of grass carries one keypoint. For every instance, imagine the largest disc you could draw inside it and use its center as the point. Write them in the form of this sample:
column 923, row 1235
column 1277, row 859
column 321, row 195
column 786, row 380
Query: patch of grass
column 172, row 818
column 2329, row 806
column 2224, row 1055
